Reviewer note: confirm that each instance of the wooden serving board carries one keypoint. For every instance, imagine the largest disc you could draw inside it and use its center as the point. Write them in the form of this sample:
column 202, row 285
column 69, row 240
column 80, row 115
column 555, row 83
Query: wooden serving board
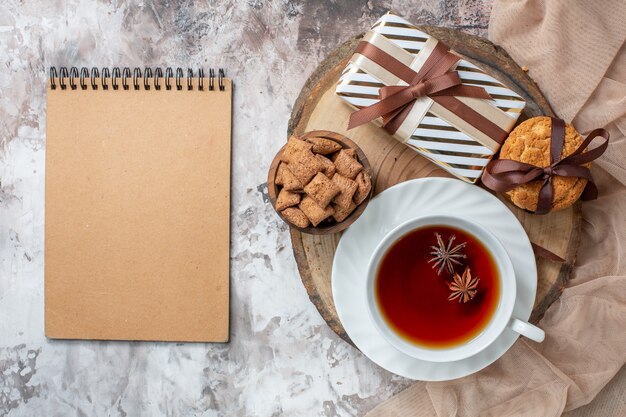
column 317, row 108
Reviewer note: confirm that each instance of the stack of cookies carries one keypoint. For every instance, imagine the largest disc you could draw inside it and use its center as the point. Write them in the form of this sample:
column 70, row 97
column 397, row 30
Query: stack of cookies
column 320, row 182
column 530, row 143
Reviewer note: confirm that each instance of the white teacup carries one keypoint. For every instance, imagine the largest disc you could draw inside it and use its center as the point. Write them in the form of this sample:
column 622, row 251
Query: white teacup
column 501, row 318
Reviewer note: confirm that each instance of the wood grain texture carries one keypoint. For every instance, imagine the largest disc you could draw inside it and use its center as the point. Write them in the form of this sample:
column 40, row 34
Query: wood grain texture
column 317, row 107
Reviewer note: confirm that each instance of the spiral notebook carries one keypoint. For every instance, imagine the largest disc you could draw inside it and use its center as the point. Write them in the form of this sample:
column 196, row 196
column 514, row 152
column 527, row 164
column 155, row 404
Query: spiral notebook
column 137, row 204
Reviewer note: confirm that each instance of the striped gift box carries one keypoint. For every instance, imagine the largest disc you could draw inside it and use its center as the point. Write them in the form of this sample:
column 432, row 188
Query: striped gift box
column 440, row 140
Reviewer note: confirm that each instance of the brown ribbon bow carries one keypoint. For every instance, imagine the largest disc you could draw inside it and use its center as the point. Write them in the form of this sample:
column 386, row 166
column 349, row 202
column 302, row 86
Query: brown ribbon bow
column 504, row 174
column 433, row 79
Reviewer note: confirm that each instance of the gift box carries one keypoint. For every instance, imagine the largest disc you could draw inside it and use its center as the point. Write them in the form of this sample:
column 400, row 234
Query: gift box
column 442, row 106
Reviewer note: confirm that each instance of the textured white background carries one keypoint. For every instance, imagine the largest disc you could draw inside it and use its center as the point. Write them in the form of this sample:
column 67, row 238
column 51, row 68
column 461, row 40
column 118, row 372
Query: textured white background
column 282, row 358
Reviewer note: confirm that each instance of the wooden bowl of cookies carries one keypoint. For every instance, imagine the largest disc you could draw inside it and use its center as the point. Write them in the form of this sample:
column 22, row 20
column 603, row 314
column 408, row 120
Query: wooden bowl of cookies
column 319, row 183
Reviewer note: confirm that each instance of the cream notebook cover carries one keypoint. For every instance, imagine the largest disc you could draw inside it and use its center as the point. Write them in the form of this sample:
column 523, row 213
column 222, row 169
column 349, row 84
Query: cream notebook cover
column 137, row 205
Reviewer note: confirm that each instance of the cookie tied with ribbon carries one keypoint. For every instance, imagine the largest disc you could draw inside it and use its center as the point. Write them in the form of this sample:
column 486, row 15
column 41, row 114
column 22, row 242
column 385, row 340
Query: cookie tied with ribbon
column 428, row 97
column 544, row 165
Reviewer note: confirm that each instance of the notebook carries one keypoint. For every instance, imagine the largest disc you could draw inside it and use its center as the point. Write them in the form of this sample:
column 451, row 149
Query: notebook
column 137, row 204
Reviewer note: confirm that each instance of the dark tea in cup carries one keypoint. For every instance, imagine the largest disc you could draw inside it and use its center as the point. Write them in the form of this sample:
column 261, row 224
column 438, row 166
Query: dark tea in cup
column 413, row 298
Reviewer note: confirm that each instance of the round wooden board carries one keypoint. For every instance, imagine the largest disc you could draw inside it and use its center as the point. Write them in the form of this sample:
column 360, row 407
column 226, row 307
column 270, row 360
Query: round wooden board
column 318, row 108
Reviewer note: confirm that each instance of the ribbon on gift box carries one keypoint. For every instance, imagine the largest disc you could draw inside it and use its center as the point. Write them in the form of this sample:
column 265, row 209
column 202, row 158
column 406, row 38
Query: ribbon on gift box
column 505, row 174
column 415, row 85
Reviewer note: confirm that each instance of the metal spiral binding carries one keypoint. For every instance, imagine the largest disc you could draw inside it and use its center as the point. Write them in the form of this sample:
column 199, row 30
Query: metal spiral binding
column 94, row 74
column 179, row 75
column 63, row 74
column 125, row 77
column 86, row 77
column 84, row 72
column 73, row 76
column 158, row 73
column 136, row 76
column 147, row 72
column 220, row 79
column 189, row 79
column 105, row 74
column 116, row 76
column 200, row 79
column 168, row 74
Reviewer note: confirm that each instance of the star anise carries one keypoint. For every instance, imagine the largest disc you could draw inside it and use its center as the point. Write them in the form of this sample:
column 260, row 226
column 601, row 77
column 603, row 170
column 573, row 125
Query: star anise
column 445, row 256
column 463, row 287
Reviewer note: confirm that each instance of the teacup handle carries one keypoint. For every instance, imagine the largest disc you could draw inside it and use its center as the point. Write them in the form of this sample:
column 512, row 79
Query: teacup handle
column 526, row 329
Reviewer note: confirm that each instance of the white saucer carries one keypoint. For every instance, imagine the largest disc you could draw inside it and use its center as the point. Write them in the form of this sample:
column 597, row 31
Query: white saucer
column 394, row 206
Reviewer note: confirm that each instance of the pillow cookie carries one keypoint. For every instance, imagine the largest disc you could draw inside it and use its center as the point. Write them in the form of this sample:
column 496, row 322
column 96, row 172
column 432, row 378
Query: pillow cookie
column 318, row 182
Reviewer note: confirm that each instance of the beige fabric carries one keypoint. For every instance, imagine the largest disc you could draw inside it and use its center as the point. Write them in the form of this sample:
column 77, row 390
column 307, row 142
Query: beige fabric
column 575, row 51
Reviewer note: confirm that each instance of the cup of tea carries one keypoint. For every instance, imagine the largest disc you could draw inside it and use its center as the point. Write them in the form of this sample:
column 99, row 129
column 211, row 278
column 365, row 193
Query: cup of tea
column 414, row 303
